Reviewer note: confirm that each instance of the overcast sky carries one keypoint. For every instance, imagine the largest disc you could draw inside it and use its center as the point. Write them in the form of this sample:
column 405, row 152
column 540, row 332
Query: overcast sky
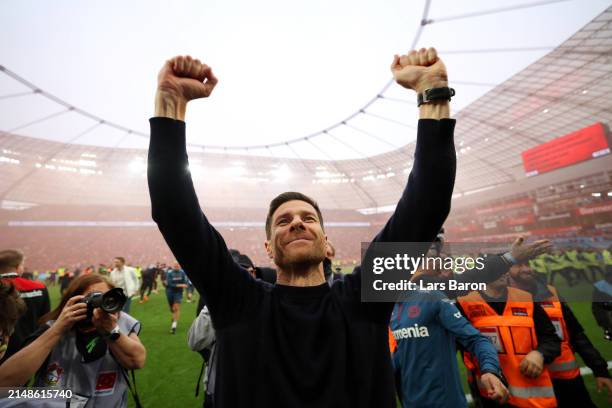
column 286, row 68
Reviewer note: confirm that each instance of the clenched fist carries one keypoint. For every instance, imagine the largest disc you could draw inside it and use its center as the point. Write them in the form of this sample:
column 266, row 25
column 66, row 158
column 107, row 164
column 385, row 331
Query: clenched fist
column 186, row 78
column 496, row 390
column 419, row 70
column 532, row 365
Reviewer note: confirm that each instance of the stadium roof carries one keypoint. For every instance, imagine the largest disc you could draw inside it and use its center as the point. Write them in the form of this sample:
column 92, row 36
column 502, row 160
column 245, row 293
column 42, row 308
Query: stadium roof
column 565, row 90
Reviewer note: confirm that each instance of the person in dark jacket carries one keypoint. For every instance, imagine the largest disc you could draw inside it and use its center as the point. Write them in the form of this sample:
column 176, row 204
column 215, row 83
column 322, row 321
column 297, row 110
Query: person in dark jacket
column 601, row 305
column 309, row 344
column 570, row 389
column 33, row 293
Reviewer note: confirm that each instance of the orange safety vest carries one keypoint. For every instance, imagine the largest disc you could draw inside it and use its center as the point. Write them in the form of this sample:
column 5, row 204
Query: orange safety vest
column 565, row 366
column 513, row 335
column 392, row 341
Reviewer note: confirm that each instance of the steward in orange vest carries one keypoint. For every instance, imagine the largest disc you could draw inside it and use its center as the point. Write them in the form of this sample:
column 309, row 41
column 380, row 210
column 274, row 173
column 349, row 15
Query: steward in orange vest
column 564, row 371
column 524, row 338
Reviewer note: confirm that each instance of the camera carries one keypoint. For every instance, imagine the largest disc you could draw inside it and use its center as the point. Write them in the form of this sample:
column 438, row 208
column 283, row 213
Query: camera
column 111, row 302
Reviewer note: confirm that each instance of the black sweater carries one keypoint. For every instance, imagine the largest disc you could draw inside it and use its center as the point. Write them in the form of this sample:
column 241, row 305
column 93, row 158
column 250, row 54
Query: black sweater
column 283, row 346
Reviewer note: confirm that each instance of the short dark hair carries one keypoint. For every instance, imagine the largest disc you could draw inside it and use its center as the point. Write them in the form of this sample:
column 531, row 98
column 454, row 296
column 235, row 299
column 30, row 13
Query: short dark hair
column 283, row 198
column 11, row 307
column 122, row 259
column 10, row 259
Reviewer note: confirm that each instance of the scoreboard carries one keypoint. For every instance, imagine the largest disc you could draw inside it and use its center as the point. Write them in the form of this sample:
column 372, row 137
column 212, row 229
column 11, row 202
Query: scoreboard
column 584, row 144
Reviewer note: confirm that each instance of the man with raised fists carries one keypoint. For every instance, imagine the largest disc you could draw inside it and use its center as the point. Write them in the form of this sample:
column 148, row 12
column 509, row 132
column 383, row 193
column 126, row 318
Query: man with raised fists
column 299, row 342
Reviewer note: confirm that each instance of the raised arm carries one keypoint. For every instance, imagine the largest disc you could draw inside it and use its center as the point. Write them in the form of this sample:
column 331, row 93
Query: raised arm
column 197, row 246
column 425, row 202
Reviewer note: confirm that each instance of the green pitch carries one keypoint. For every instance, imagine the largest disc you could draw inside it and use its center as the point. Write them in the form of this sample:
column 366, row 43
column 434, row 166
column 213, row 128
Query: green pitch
column 170, row 374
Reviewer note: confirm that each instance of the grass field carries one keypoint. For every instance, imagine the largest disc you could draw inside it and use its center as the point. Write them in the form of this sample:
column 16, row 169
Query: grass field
column 170, row 374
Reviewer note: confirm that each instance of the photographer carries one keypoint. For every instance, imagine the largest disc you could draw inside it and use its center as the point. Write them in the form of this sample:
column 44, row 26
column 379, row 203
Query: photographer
column 81, row 348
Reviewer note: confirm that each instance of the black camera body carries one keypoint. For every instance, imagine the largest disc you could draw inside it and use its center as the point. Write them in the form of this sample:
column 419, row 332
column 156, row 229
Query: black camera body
column 110, row 302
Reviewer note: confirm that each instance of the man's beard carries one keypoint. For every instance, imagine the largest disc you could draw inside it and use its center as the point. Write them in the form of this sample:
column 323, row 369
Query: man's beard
column 300, row 260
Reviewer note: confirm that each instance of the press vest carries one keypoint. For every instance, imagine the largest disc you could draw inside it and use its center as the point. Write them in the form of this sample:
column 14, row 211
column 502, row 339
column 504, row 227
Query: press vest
column 513, row 335
column 565, row 366
column 100, row 382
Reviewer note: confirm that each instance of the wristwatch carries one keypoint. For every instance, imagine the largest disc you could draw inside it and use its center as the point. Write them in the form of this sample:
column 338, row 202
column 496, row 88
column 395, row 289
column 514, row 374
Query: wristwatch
column 435, row 94
column 510, row 260
column 114, row 334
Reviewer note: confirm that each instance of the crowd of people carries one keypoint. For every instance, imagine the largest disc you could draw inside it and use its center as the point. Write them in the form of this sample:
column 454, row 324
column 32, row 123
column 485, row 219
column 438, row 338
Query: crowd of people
column 301, row 335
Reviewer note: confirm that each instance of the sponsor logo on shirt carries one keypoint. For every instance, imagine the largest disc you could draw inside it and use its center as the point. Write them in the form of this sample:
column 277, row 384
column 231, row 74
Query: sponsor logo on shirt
column 410, row 332
column 457, row 315
column 519, row 311
column 31, row 294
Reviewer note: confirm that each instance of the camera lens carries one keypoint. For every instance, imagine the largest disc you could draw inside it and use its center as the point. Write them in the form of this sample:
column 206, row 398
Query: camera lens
column 113, row 300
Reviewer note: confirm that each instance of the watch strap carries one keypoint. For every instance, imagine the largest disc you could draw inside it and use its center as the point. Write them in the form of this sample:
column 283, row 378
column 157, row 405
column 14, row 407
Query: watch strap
column 435, row 94
column 113, row 334
column 511, row 260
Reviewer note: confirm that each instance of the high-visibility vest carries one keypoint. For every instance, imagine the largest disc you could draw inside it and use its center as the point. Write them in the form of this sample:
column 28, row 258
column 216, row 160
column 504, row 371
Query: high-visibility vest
column 538, row 265
column 607, row 257
column 590, row 258
column 555, row 262
column 565, row 366
column 513, row 335
column 576, row 263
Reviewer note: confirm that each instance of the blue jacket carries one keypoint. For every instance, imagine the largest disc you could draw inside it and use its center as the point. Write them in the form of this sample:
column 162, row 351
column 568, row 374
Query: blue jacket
column 425, row 328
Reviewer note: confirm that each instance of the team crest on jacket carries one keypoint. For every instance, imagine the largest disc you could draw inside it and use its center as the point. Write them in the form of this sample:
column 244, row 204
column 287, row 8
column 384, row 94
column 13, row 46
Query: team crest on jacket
column 53, row 374
column 414, row 311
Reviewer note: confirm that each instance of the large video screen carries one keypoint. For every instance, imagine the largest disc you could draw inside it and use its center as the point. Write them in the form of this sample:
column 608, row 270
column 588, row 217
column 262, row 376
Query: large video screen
column 584, row 144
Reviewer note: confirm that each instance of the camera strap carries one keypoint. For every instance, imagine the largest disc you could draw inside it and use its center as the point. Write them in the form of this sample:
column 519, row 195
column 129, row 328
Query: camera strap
column 131, row 385
column 197, row 392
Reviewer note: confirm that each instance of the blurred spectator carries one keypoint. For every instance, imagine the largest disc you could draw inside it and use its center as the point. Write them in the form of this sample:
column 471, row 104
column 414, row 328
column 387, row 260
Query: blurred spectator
column 12, row 307
column 124, row 277
column 148, row 276
column 33, row 293
column 602, row 304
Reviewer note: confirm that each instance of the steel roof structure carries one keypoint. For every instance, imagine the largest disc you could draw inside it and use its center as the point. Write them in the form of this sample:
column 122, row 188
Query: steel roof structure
column 566, row 90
